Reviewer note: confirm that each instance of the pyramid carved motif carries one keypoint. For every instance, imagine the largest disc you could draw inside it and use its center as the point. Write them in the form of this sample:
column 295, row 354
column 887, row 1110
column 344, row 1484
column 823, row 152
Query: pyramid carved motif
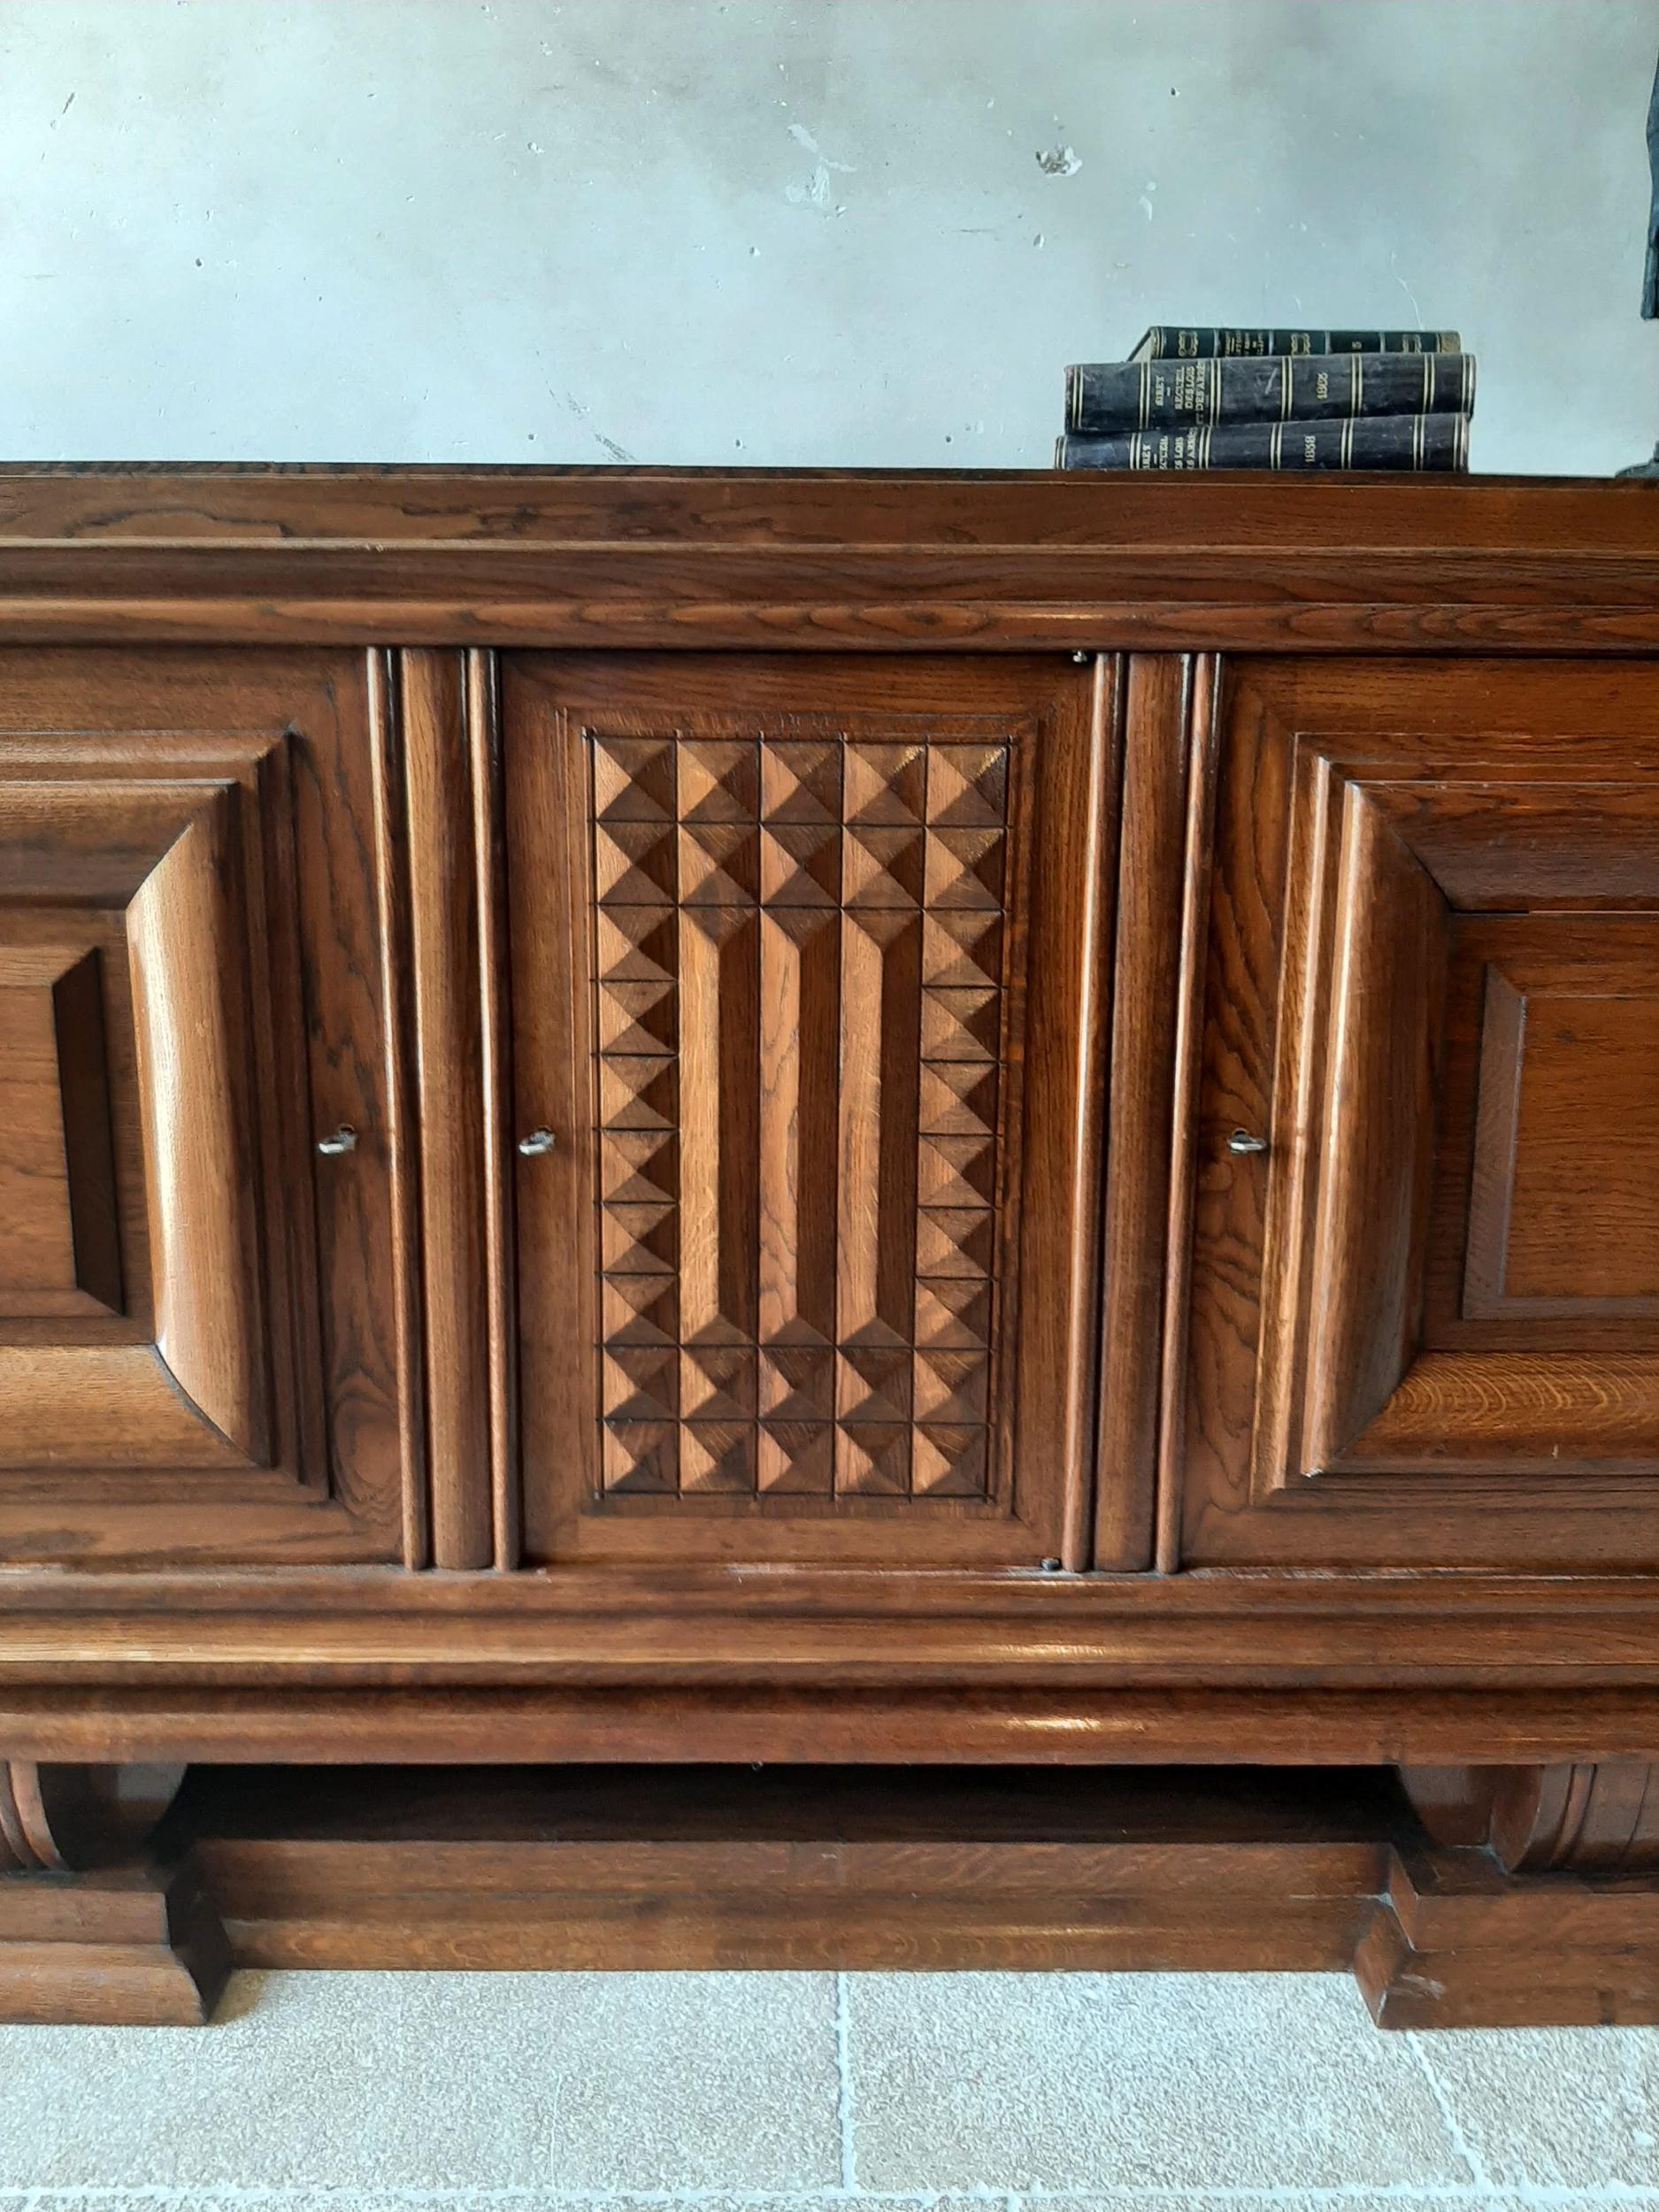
column 799, row 1009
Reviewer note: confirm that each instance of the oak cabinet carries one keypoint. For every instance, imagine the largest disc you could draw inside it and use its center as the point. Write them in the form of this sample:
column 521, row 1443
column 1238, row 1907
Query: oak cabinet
column 678, row 1121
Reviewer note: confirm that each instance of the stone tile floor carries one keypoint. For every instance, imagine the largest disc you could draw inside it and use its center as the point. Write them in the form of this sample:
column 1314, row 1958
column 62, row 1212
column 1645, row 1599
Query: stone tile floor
column 820, row 2092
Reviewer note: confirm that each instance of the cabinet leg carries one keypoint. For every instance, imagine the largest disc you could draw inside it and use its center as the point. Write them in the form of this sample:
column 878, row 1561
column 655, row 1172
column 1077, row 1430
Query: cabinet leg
column 1534, row 1904
column 95, row 1925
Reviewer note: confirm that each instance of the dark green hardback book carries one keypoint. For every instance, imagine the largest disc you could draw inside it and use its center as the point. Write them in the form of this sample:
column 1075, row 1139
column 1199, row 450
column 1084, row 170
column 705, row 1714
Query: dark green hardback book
column 1166, row 342
column 1164, row 395
column 1381, row 441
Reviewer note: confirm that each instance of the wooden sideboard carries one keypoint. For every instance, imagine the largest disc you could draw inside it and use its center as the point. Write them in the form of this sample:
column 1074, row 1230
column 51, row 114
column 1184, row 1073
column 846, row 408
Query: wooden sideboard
column 652, row 1121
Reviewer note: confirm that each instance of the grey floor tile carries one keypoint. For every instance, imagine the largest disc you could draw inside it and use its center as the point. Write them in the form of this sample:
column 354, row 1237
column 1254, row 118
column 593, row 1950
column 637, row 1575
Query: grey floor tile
column 1553, row 2107
column 694, row 2081
column 359, row 2081
column 369, row 2082
column 1173, row 2081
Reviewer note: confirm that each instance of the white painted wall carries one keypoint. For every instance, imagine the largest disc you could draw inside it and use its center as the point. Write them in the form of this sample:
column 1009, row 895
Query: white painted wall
column 808, row 234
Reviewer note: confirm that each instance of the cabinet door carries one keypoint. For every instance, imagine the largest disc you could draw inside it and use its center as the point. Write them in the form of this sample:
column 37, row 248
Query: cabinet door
column 1424, row 1319
column 193, row 1353
column 805, row 957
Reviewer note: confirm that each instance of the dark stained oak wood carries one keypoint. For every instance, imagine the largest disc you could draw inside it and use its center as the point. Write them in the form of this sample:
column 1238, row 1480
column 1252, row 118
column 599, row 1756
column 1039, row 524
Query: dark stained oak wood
column 680, row 1867
column 948, row 1726
column 717, row 1866
column 1539, row 1910
column 1588, row 1817
column 824, row 562
column 94, row 1928
column 57, row 1818
column 1154, row 718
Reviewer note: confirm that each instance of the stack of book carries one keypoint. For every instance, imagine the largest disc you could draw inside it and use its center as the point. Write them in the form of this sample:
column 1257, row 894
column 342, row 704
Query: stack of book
column 1274, row 399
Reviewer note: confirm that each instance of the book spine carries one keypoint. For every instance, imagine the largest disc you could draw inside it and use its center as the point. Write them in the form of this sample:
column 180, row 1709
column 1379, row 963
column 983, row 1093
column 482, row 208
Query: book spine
column 1165, row 342
column 1384, row 442
column 1168, row 394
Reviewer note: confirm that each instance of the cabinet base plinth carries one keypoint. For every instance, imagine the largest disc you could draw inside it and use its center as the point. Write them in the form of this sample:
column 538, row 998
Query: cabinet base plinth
column 1127, row 1869
column 125, row 1947
column 1459, row 1943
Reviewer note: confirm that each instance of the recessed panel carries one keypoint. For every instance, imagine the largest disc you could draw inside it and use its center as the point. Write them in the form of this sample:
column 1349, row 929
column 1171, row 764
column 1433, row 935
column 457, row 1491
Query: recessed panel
column 1563, row 1167
column 59, row 1234
column 1584, row 1208
column 37, row 1248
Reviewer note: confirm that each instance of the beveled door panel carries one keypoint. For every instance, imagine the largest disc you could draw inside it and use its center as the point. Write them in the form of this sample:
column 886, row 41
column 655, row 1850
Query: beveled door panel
column 1424, row 1319
column 806, row 963
column 194, row 1359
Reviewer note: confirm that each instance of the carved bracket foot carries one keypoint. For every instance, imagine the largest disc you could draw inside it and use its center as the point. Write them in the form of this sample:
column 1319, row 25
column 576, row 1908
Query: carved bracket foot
column 94, row 1926
column 1536, row 1902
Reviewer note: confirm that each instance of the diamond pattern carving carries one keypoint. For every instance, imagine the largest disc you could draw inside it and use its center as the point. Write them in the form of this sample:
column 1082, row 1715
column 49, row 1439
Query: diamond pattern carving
column 797, row 1382
column 799, row 1014
column 718, row 782
column 637, row 1093
column 948, row 1462
column 637, row 1164
column 716, row 1381
column 954, row 1310
column 958, row 1099
column 638, row 1240
column 962, row 946
column 801, row 864
column 719, row 864
column 882, row 867
column 965, row 868
column 952, row 1171
column 798, row 1456
column 802, row 782
column 641, row 1455
column 885, row 784
column 718, row 1456
column 634, row 780
column 639, row 1310
column 959, row 1025
column 635, row 861
column 951, row 1386
column 636, row 1017
column 636, row 944
column 967, row 786
column 640, row 1382
column 954, row 1240
column 873, row 1462
column 872, row 1386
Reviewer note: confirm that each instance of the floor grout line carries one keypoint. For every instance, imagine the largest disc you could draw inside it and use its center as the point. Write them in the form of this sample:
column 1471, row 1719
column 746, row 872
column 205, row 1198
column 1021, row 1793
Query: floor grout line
column 1449, row 2120
column 844, row 2085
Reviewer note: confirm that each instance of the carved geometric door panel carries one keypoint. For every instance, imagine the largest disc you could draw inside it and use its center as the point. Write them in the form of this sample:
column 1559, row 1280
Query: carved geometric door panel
column 1424, row 1320
column 805, row 960
column 194, row 1360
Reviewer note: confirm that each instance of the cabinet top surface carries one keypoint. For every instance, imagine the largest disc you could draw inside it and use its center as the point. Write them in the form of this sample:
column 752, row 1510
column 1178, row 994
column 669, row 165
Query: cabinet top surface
column 884, row 560
column 1218, row 513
